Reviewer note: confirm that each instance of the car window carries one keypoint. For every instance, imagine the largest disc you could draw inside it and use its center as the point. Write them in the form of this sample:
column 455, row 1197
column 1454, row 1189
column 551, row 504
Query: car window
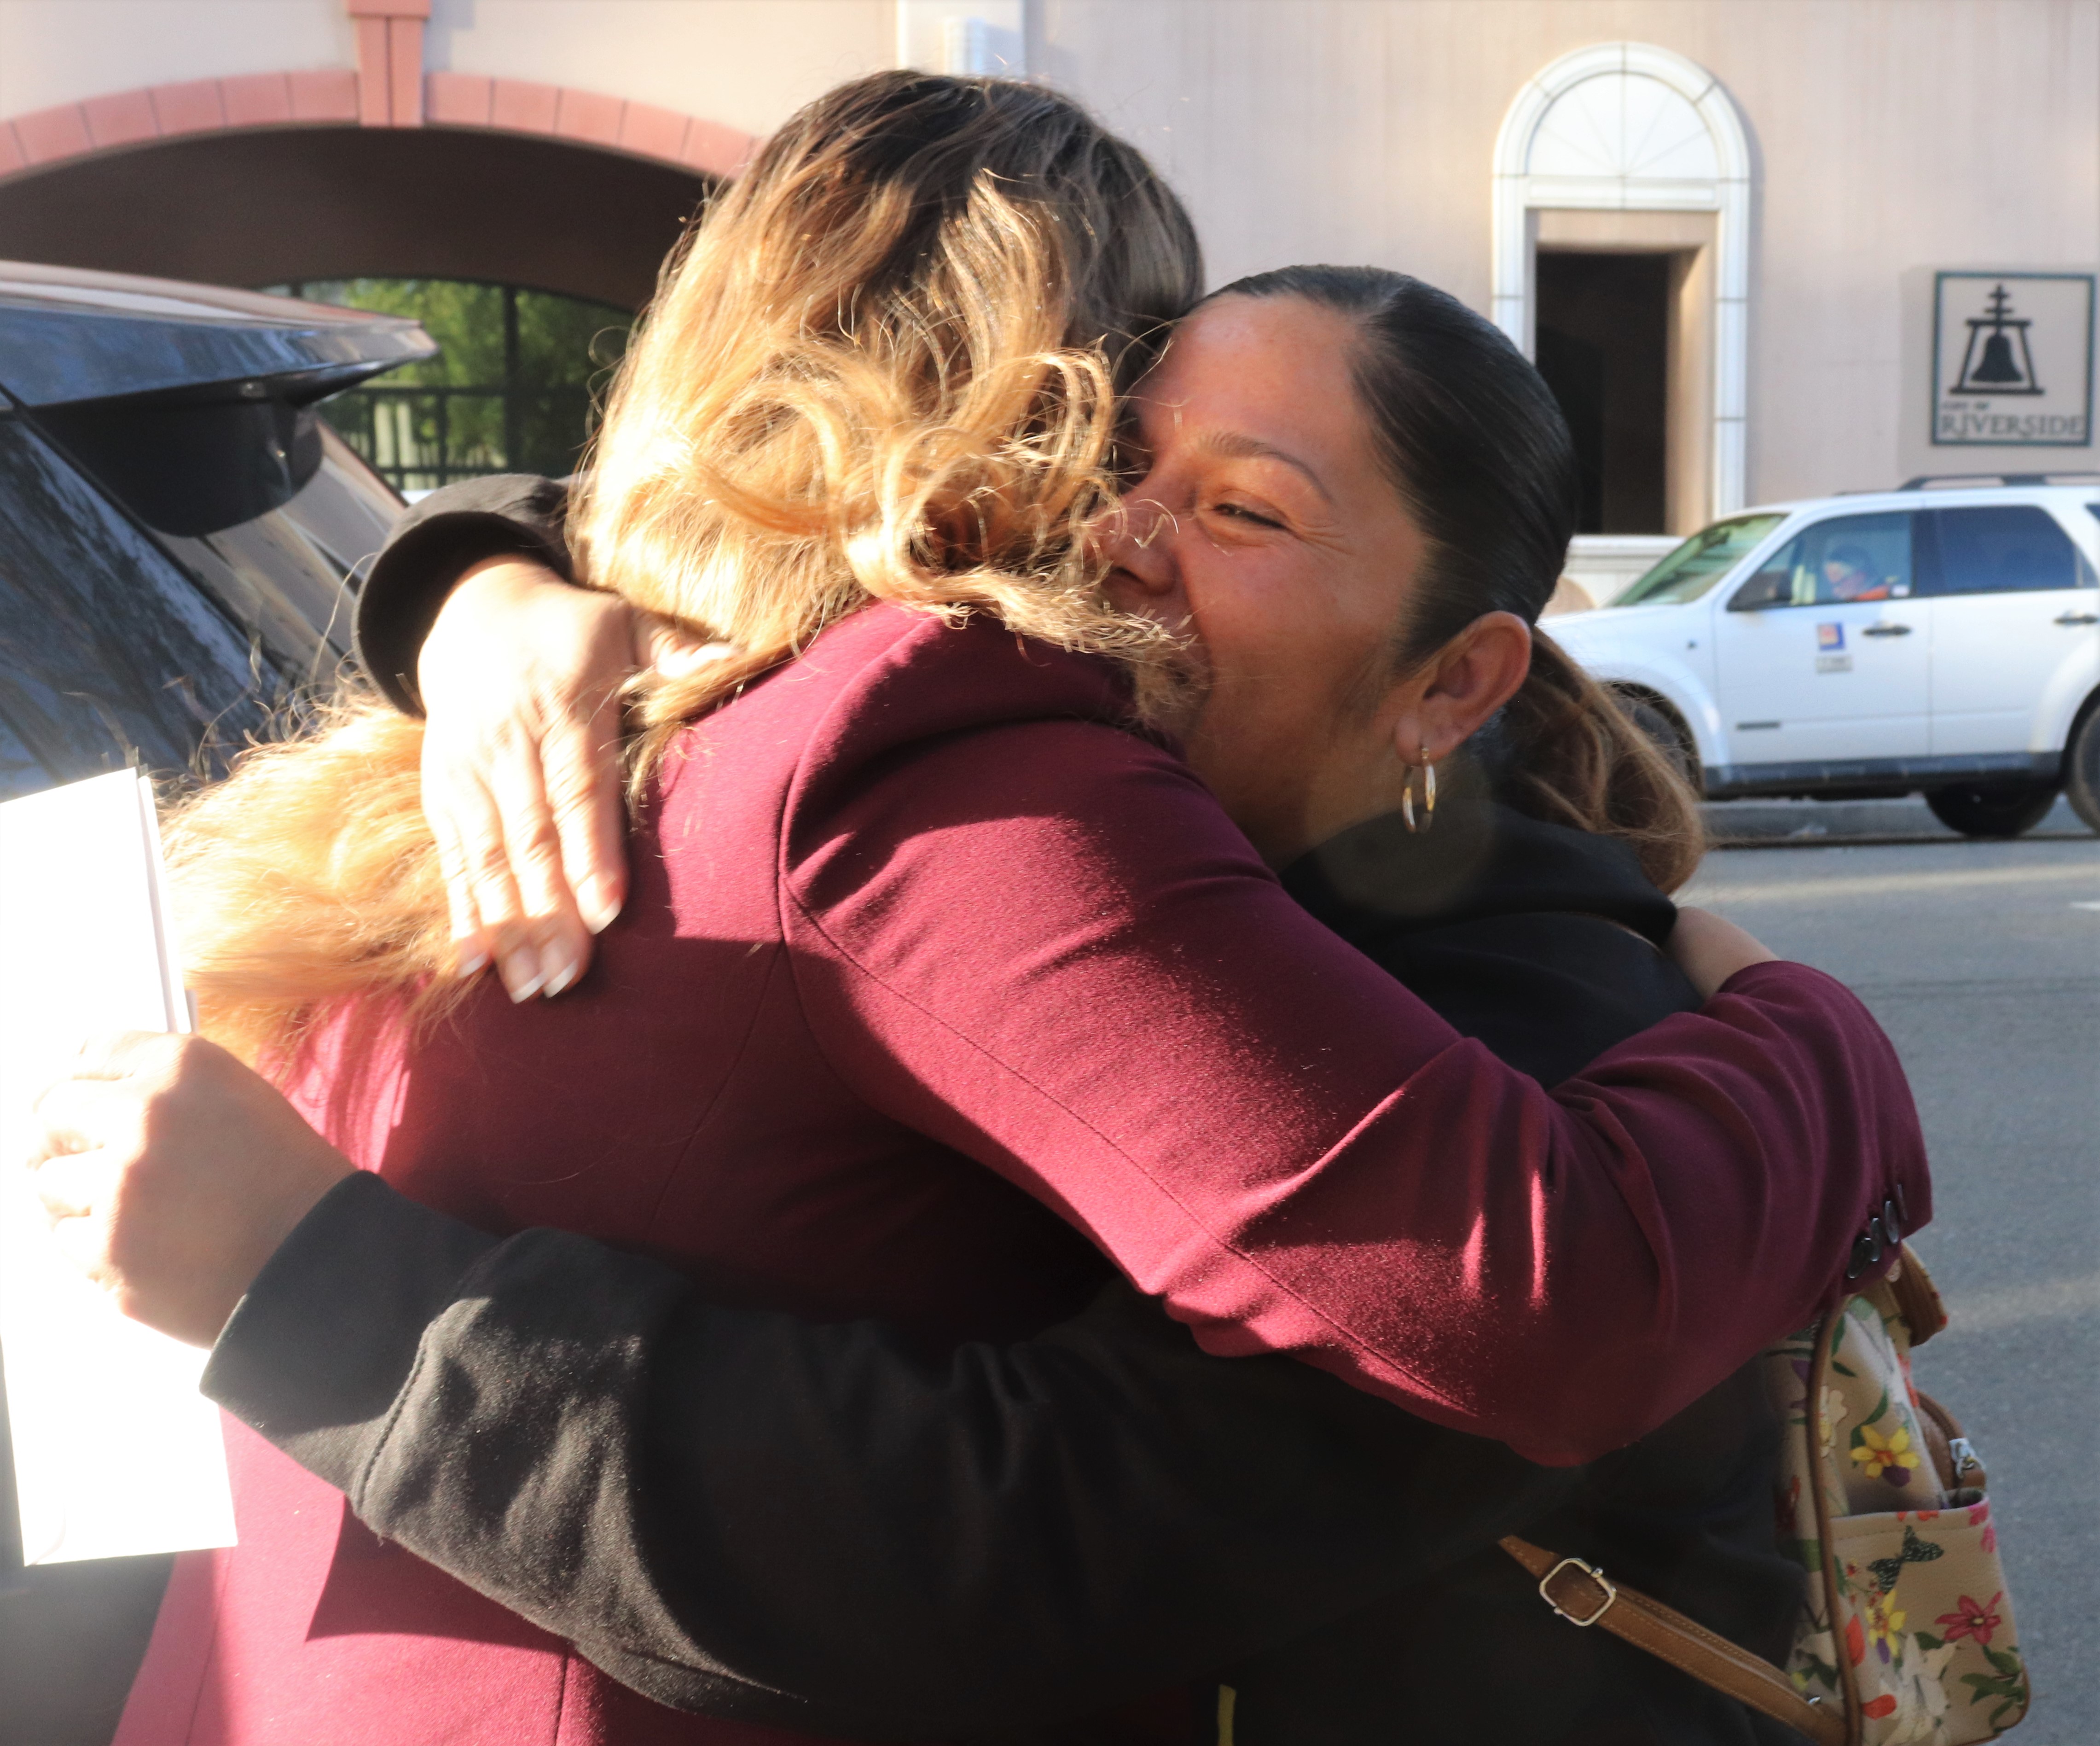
column 283, row 572
column 2003, row 549
column 1844, row 558
column 1702, row 561
column 108, row 651
column 350, row 518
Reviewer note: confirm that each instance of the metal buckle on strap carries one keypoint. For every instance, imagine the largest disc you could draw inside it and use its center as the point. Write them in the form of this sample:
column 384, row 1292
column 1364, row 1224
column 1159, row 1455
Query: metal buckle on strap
column 1596, row 1575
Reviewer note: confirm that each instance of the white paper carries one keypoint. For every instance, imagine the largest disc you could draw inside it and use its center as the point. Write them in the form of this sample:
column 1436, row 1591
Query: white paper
column 116, row 1452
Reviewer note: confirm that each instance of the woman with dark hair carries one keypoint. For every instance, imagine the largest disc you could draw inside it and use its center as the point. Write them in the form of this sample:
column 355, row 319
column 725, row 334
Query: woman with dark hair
column 919, row 899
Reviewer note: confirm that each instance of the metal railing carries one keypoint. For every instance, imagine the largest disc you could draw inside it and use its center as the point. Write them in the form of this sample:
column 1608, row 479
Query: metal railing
column 417, row 438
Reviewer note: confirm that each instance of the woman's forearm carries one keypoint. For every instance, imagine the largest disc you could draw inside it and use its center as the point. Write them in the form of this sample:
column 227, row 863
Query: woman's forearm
column 1125, row 1015
column 432, row 548
column 812, row 1526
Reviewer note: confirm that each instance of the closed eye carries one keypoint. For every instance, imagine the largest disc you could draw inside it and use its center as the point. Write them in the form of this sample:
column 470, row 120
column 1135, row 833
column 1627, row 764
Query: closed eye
column 1240, row 512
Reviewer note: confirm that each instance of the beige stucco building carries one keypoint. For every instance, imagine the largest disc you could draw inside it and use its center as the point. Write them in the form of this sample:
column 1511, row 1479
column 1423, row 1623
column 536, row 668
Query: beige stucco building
column 1718, row 223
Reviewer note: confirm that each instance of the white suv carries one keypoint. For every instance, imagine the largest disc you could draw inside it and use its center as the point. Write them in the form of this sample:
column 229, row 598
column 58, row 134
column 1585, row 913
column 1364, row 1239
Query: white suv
column 1944, row 638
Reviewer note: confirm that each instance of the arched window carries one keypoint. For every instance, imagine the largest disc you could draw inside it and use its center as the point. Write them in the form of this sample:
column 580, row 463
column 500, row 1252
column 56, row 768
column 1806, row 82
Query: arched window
column 1622, row 209
column 512, row 390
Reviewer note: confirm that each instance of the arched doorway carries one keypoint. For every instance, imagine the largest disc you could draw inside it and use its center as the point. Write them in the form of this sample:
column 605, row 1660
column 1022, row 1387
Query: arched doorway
column 1621, row 245
column 266, row 205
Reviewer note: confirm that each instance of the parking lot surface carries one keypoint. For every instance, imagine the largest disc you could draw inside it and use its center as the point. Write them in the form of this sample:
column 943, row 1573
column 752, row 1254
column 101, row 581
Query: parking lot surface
column 1983, row 961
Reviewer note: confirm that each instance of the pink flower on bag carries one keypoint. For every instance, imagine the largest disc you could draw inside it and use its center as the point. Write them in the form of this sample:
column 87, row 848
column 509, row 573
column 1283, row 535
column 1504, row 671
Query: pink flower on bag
column 1970, row 1619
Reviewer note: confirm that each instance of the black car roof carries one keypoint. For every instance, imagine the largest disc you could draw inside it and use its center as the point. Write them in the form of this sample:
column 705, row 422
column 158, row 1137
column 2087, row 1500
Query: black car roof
column 69, row 335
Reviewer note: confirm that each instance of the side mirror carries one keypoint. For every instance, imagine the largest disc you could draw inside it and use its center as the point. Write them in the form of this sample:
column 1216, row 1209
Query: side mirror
column 1767, row 588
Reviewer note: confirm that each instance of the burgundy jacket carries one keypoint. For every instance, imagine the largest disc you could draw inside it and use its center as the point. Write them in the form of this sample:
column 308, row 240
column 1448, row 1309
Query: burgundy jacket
column 930, row 963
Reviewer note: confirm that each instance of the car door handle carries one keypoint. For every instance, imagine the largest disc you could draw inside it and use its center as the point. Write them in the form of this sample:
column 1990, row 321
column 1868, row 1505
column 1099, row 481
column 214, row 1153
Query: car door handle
column 1886, row 631
column 2077, row 618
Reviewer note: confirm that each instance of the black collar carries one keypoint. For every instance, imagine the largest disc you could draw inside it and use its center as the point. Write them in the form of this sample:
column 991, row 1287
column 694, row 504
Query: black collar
column 1479, row 859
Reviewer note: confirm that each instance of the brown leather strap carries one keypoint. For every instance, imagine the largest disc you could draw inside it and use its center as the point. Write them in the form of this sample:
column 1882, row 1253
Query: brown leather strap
column 1582, row 1595
column 1916, row 1297
column 1848, row 1679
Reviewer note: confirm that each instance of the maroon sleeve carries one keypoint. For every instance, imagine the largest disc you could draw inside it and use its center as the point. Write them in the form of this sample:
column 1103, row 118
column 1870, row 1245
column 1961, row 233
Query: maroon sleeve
column 1043, row 944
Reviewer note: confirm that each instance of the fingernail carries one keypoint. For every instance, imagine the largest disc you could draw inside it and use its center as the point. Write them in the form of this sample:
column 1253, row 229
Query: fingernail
column 522, row 976
column 558, row 968
column 597, row 904
column 471, row 962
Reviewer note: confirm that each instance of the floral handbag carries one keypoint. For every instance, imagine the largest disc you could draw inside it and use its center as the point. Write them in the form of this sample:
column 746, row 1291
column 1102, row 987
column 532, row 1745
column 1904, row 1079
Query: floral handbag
column 1906, row 1633
column 1906, row 1624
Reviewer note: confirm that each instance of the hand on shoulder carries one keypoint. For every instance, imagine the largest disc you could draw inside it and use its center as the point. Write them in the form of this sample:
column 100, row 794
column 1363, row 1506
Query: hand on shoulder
column 523, row 679
column 1710, row 950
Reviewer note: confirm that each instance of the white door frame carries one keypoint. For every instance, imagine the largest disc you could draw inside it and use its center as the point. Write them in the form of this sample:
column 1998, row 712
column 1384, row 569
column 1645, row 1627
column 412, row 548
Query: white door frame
column 1518, row 193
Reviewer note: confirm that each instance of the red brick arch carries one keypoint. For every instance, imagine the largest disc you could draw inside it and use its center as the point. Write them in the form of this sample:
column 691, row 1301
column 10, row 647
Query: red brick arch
column 331, row 98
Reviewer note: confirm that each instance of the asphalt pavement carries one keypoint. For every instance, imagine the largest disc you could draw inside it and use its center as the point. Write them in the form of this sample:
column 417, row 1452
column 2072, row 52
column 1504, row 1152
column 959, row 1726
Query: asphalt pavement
column 1983, row 962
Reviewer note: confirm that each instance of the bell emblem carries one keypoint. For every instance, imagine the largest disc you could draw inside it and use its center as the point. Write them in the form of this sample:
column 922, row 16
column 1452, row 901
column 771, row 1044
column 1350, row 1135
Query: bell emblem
column 2002, row 363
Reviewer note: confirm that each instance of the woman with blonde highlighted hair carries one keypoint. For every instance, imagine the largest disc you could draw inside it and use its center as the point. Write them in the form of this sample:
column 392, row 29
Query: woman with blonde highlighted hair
column 943, row 975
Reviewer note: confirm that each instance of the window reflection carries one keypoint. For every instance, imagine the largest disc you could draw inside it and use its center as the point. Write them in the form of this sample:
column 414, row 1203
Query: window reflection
column 108, row 653
column 283, row 573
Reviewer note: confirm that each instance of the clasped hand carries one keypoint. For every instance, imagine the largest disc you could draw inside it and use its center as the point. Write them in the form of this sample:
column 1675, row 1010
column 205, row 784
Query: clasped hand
column 171, row 1173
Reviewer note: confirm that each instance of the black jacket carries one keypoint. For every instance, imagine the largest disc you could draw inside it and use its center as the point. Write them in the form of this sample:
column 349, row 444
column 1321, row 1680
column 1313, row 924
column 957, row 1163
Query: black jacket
column 825, row 1528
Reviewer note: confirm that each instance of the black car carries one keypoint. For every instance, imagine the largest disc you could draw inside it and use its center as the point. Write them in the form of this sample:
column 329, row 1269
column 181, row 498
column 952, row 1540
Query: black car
column 180, row 536
column 179, row 529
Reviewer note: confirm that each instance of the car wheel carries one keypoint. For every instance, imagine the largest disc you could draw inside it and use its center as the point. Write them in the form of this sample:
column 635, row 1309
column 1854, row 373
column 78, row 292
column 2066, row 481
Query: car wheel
column 1664, row 731
column 2081, row 770
column 1991, row 812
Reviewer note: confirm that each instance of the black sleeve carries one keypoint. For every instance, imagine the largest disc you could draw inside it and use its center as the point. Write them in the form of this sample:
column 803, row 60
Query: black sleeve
column 442, row 537
column 815, row 1526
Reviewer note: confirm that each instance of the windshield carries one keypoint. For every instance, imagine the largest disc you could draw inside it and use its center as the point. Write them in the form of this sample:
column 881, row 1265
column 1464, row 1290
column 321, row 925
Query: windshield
column 1699, row 563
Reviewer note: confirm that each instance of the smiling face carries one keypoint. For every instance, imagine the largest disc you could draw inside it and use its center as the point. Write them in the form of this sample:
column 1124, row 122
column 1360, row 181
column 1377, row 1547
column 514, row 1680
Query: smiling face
column 1267, row 524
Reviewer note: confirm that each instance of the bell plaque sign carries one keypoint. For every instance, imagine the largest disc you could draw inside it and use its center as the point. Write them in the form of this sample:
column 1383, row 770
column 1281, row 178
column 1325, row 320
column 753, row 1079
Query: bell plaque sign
column 2012, row 360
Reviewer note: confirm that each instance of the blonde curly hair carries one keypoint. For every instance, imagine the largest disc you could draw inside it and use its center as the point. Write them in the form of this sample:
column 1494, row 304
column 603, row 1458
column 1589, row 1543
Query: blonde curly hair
column 885, row 365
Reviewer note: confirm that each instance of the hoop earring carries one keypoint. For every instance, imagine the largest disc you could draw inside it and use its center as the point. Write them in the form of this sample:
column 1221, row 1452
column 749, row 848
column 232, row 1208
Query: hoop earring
column 1407, row 816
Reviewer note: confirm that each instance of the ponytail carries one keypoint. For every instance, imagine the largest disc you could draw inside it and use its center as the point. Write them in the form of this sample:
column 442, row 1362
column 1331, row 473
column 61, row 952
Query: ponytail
column 1571, row 755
